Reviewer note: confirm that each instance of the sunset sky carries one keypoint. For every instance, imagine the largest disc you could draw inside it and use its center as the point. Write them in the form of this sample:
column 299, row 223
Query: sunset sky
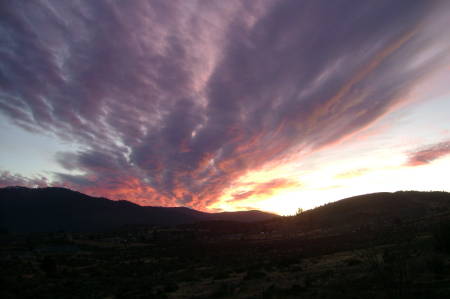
column 227, row 104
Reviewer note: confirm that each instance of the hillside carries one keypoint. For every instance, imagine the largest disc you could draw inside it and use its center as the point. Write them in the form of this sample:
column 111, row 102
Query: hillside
column 49, row 209
column 374, row 209
column 382, row 245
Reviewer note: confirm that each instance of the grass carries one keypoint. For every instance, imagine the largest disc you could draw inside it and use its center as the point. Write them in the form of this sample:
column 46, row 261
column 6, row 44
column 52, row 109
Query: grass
column 282, row 264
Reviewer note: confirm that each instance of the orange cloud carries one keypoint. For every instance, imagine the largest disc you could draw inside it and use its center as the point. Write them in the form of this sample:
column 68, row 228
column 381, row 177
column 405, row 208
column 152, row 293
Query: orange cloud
column 242, row 195
column 265, row 189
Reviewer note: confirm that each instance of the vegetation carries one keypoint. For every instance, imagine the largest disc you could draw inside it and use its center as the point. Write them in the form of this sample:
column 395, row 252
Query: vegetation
column 391, row 254
column 442, row 236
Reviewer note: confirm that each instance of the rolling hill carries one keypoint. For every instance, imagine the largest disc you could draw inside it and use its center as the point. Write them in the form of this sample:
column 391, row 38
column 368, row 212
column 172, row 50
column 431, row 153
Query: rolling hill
column 375, row 209
column 50, row 209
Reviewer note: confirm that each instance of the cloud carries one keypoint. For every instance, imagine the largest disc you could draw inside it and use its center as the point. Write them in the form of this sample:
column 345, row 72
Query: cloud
column 9, row 179
column 264, row 189
column 427, row 154
column 171, row 102
column 242, row 195
column 268, row 188
column 352, row 173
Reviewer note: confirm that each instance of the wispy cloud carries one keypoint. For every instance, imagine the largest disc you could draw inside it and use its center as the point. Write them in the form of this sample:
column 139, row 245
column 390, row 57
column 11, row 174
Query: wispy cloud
column 352, row 173
column 9, row 179
column 427, row 154
column 173, row 101
column 264, row 189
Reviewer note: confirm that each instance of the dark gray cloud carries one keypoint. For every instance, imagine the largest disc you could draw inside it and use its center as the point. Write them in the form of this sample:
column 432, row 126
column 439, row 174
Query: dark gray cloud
column 173, row 101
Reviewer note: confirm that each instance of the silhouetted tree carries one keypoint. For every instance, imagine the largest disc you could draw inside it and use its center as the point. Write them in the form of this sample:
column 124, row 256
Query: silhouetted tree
column 299, row 211
column 391, row 267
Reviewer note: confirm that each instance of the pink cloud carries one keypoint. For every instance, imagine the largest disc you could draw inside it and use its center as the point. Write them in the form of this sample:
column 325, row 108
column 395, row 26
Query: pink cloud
column 427, row 154
column 265, row 189
column 242, row 195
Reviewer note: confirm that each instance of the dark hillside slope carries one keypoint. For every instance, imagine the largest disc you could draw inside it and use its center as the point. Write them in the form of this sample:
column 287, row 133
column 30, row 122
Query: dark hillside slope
column 253, row 215
column 49, row 209
column 376, row 207
column 247, row 216
column 40, row 210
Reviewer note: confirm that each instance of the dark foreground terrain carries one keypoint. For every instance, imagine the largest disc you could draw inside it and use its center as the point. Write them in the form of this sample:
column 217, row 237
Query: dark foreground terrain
column 301, row 256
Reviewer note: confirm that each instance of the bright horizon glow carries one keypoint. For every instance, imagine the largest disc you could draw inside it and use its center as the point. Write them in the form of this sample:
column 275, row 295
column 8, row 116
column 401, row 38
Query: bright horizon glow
column 371, row 168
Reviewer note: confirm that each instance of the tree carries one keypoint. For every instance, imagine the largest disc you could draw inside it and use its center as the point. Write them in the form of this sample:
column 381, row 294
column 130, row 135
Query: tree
column 388, row 260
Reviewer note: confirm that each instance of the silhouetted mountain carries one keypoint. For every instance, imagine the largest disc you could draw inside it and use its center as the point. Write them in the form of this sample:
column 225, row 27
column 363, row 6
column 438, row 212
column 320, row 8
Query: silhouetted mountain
column 375, row 208
column 50, row 209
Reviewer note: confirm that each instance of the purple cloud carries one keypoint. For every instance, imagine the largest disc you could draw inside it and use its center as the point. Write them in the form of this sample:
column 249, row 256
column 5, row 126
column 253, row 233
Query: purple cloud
column 427, row 154
column 173, row 101
column 9, row 179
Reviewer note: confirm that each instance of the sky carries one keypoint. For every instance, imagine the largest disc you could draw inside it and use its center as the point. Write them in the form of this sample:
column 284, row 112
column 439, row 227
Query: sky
column 225, row 105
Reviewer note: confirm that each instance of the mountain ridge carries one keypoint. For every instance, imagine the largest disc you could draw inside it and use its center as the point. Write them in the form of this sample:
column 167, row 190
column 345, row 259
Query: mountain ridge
column 25, row 209
column 49, row 209
column 375, row 209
